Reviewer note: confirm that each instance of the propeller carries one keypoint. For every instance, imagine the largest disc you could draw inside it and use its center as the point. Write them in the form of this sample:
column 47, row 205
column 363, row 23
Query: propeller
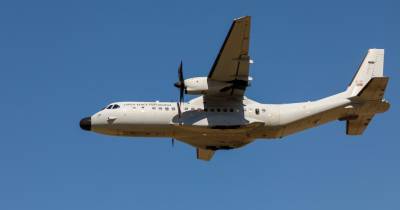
column 181, row 83
column 182, row 88
column 172, row 142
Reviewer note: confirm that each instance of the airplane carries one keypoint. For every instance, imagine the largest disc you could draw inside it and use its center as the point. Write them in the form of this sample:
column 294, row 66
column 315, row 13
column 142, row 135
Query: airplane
column 223, row 118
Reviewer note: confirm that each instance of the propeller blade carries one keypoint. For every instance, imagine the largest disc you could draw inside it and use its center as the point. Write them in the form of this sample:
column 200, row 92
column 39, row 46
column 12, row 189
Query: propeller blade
column 173, row 142
column 181, row 79
column 179, row 109
column 180, row 75
column 181, row 94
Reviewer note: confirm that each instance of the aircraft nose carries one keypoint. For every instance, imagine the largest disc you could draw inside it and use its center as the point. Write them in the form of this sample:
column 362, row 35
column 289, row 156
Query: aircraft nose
column 86, row 123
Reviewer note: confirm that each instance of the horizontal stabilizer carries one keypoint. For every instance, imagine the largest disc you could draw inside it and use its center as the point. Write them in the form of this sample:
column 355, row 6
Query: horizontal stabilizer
column 374, row 89
column 357, row 127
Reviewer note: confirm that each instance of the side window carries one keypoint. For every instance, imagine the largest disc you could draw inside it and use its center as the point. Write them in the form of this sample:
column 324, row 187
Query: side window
column 257, row 110
column 154, row 108
column 166, row 108
column 160, row 108
column 173, row 108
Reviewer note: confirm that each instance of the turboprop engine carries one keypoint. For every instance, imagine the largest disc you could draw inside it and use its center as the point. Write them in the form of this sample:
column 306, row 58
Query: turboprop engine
column 204, row 85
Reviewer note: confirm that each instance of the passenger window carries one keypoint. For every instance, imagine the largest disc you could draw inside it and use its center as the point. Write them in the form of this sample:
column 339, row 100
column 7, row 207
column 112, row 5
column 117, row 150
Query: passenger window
column 212, row 110
column 263, row 110
column 218, row 109
column 205, row 109
column 225, row 110
column 231, row 110
column 257, row 111
column 159, row 108
column 173, row 108
column 154, row 108
column 166, row 108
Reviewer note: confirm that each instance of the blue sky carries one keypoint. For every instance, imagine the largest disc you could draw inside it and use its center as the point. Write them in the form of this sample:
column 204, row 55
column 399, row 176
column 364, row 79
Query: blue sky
column 61, row 61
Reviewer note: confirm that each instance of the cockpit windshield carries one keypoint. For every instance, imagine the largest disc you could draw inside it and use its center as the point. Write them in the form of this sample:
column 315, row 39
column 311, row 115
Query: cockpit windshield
column 112, row 106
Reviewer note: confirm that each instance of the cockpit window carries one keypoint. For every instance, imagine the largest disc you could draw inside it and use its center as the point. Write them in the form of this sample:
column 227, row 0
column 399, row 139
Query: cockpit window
column 109, row 107
column 116, row 106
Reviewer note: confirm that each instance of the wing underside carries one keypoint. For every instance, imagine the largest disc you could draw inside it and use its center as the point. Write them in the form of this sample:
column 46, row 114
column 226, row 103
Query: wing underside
column 232, row 62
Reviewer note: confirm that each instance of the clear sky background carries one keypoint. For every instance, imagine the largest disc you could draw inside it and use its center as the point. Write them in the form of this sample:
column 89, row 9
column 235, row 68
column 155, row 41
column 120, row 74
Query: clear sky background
column 61, row 61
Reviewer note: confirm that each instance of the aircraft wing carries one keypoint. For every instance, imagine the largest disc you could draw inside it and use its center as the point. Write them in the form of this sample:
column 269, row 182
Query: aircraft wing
column 232, row 62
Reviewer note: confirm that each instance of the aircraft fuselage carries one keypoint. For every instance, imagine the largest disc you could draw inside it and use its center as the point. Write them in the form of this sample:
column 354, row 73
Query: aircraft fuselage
column 222, row 126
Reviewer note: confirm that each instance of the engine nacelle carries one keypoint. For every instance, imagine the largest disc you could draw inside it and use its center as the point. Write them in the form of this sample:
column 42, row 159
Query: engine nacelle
column 204, row 85
column 196, row 85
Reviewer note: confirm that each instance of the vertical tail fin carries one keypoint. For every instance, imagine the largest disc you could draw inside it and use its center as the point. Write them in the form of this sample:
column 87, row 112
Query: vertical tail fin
column 372, row 66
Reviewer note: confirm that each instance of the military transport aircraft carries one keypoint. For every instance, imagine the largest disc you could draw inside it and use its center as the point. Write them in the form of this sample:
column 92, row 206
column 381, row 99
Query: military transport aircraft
column 222, row 117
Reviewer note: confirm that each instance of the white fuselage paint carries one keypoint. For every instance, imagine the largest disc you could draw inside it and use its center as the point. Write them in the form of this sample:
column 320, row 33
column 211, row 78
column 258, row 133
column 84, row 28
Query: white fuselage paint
column 225, row 124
